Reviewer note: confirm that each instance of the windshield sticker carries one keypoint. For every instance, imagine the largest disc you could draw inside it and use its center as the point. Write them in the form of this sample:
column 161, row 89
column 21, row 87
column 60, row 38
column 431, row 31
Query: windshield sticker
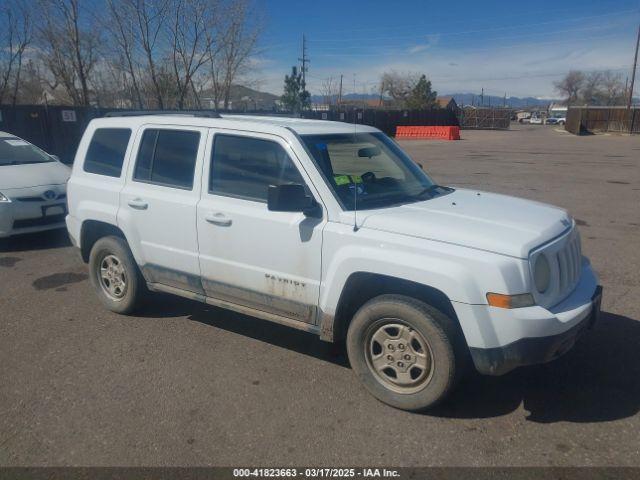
column 17, row 143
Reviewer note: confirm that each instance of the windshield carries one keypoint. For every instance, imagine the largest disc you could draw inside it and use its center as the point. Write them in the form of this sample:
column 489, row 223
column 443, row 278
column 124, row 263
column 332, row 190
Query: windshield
column 15, row 151
column 373, row 164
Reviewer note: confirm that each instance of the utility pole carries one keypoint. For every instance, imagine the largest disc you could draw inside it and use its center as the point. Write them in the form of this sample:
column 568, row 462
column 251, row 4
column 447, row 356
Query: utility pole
column 304, row 60
column 482, row 97
column 340, row 93
column 633, row 73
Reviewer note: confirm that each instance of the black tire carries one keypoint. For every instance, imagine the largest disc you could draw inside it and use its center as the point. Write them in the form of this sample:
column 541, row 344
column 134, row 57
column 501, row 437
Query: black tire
column 444, row 345
column 134, row 290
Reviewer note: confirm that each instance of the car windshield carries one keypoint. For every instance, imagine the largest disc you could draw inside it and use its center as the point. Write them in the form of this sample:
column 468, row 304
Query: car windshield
column 15, row 151
column 370, row 170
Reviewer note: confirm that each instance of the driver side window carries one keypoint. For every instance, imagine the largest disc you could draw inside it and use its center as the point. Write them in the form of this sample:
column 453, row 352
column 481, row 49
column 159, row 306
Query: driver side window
column 244, row 167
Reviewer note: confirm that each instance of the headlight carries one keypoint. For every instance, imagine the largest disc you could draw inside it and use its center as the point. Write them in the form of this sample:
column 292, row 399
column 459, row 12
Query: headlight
column 542, row 273
column 3, row 198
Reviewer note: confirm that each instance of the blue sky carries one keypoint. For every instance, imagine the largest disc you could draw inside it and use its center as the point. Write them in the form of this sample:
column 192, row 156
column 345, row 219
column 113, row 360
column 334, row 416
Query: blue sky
column 514, row 47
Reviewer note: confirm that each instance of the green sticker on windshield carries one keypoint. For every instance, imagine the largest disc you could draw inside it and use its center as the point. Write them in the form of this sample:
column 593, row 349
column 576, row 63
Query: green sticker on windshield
column 346, row 179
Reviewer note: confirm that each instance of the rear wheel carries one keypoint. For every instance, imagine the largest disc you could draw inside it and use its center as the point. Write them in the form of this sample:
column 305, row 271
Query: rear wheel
column 115, row 275
column 405, row 352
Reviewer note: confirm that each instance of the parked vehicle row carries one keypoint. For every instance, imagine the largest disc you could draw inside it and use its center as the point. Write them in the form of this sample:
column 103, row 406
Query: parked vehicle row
column 330, row 228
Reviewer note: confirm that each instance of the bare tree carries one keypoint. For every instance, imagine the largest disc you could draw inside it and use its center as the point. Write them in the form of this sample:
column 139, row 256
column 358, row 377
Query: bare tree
column 613, row 90
column 590, row 92
column 121, row 27
column 235, row 44
column 32, row 87
column 15, row 36
column 150, row 22
column 68, row 48
column 329, row 90
column 398, row 86
column 592, row 88
column 570, row 86
column 192, row 19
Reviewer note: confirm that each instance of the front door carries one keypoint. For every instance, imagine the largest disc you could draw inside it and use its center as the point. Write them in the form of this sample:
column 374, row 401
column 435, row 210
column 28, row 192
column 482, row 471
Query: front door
column 250, row 256
column 158, row 204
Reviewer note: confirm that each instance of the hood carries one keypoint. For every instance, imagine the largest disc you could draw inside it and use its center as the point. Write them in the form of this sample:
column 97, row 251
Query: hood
column 486, row 221
column 33, row 175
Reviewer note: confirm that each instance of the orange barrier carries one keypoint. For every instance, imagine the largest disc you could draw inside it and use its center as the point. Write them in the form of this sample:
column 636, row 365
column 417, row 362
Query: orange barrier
column 440, row 133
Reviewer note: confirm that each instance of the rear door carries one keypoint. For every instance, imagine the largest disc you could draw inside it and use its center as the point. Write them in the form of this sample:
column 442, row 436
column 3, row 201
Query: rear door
column 250, row 256
column 158, row 203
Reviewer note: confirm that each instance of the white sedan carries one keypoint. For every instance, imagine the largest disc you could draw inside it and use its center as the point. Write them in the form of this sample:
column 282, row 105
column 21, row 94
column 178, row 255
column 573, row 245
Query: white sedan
column 33, row 188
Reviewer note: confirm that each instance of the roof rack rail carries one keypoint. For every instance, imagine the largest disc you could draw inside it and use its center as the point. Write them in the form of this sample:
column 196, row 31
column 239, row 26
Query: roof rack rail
column 187, row 113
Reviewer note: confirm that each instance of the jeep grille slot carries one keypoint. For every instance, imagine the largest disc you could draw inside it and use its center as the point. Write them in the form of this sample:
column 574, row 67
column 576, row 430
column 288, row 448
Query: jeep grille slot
column 569, row 259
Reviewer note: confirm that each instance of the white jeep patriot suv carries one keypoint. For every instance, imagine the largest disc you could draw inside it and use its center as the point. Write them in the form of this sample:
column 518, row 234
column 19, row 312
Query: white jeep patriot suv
column 330, row 228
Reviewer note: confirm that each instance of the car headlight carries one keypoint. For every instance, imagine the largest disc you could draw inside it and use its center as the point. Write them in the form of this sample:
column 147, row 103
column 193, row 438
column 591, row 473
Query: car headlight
column 4, row 198
column 542, row 273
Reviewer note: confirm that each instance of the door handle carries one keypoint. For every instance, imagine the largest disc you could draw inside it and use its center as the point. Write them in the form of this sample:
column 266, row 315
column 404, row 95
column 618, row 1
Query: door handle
column 219, row 219
column 138, row 204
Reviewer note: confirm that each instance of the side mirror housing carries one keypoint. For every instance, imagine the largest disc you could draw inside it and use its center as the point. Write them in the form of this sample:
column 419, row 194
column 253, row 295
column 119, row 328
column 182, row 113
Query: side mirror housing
column 292, row 198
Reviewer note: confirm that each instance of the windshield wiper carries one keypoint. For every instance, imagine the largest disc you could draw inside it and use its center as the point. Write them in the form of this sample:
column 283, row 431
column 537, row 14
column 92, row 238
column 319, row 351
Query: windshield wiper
column 432, row 189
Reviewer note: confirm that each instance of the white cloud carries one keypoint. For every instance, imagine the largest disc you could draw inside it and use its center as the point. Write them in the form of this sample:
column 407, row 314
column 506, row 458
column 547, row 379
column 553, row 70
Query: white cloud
column 519, row 69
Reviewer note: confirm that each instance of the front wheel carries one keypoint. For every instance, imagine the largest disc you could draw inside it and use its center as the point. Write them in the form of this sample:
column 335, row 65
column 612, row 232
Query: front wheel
column 405, row 352
column 115, row 275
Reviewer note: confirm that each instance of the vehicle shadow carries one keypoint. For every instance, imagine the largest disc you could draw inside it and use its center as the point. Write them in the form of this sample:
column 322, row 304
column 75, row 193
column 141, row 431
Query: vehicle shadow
column 597, row 381
column 166, row 306
column 36, row 241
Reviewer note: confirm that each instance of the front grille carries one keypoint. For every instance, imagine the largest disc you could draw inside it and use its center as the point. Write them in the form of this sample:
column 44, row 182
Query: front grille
column 569, row 260
column 39, row 222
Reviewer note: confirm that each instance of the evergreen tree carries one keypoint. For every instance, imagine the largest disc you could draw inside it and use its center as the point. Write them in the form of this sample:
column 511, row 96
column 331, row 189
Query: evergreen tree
column 295, row 97
column 422, row 96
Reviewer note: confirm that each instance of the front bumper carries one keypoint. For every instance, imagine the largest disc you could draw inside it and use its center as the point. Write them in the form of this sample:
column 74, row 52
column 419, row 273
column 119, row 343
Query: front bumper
column 29, row 211
column 501, row 339
column 534, row 350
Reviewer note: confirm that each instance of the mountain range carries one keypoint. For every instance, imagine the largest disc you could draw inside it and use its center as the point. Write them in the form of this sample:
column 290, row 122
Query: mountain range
column 463, row 99
column 245, row 97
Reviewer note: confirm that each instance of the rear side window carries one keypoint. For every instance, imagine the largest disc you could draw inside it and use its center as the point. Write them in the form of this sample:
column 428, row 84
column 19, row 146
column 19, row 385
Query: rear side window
column 167, row 157
column 106, row 151
column 244, row 167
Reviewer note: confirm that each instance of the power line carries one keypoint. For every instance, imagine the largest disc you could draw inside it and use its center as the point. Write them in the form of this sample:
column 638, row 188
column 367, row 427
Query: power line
column 451, row 33
column 465, row 32
column 505, row 37
column 443, row 17
column 397, row 53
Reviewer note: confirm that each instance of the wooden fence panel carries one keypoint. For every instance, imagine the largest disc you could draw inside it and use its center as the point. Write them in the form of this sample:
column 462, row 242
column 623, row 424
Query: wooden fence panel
column 581, row 120
column 485, row 118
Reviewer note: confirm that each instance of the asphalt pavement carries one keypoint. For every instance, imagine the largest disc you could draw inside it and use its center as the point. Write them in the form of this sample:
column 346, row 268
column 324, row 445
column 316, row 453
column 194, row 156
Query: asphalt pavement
column 184, row 383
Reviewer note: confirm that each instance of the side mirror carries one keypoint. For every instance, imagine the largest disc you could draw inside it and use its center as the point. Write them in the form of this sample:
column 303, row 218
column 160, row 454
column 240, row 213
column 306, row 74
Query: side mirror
column 292, row 198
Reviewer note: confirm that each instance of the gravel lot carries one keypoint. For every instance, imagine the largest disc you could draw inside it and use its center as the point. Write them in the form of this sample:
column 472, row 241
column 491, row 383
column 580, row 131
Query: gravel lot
column 188, row 384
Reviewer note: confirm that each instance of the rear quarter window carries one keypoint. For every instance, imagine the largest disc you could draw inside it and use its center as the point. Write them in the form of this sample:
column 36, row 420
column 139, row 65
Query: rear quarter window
column 106, row 151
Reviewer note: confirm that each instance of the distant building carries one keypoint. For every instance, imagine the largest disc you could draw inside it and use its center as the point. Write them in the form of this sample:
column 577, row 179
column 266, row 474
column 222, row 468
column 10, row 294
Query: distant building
column 557, row 109
column 448, row 103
